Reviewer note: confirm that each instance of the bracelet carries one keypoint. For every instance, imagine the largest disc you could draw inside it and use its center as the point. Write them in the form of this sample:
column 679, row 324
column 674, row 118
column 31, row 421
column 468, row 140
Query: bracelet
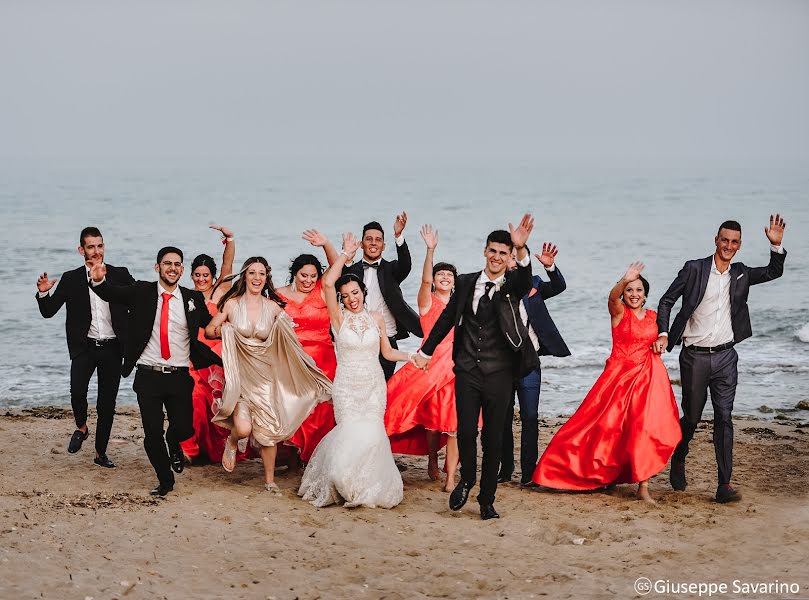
column 347, row 255
column 225, row 240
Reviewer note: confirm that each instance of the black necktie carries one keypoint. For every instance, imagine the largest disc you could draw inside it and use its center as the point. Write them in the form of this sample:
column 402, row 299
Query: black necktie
column 485, row 301
column 367, row 265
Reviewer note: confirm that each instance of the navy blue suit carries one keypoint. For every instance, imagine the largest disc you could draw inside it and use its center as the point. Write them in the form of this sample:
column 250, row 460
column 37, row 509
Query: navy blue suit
column 527, row 388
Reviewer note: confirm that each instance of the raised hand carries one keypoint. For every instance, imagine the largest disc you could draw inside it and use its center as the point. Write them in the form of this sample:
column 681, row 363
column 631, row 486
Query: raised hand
column 521, row 233
column 314, row 237
column 44, row 284
column 548, row 255
column 430, row 236
column 98, row 272
column 399, row 224
column 350, row 244
column 633, row 271
column 226, row 233
column 775, row 232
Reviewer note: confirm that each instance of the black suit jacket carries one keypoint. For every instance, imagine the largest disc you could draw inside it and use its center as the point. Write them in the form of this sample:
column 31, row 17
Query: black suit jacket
column 72, row 290
column 691, row 282
column 391, row 274
column 516, row 285
column 141, row 298
column 550, row 340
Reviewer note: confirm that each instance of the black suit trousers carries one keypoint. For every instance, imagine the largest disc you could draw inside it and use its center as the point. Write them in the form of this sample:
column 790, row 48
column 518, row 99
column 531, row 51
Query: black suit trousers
column 173, row 391
column 107, row 360
column 491, row 393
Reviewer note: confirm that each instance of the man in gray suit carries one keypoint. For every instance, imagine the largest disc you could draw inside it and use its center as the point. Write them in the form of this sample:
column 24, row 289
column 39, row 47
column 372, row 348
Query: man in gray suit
column 713, row 318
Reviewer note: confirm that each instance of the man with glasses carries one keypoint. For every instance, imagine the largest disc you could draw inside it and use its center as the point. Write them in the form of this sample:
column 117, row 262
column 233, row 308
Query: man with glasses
column 164, row 323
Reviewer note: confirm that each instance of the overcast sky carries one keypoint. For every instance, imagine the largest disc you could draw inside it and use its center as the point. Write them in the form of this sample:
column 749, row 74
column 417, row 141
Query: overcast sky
column 406, row 82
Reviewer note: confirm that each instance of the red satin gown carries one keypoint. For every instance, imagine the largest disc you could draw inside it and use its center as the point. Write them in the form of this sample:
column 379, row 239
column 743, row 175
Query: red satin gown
column 628, row 425
column 208, row 439
column 419, row 400
column 313, row 325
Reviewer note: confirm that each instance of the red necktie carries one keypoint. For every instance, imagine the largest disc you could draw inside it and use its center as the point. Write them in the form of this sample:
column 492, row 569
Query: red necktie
column 165, row 351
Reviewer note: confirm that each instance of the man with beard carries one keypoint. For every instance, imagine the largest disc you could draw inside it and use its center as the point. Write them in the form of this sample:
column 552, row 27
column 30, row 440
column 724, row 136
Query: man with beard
column 164, row 323
column 96, row 332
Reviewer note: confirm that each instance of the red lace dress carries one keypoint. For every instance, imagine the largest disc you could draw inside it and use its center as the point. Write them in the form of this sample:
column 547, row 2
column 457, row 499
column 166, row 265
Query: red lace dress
column 208, row 439
column 312, row 326
column 627, row 427
column 419, row 400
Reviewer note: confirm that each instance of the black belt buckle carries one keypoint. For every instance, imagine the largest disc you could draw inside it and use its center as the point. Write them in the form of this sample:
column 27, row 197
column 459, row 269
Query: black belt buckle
column 98, row 343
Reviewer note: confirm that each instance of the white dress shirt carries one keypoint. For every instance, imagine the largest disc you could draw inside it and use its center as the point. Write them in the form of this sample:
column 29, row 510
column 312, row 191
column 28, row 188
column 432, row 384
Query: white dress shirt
column 531, row 333
column 178, row 334
column 374, row 300
column 100, row 317
column 710, row 324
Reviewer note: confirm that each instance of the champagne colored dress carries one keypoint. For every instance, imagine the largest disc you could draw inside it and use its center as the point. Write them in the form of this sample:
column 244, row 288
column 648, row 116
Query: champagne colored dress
column 268, row 374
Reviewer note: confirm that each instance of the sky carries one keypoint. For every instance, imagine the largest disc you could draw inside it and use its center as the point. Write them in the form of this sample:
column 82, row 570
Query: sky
column 424, row 83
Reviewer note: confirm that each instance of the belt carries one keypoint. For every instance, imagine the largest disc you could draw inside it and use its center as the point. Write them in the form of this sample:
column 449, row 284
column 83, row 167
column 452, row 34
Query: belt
column 101, row 342
column 162, row 369
column 712, row 349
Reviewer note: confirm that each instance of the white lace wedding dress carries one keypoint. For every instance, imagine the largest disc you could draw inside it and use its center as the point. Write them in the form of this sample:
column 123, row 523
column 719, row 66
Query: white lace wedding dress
column 353, row 463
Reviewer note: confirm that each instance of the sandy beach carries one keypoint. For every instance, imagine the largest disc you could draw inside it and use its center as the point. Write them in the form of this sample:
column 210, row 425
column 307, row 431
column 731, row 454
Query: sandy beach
column 69, row 529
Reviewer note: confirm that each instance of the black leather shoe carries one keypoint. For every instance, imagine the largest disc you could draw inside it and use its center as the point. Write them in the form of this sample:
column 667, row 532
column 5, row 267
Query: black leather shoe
column 103, row 461
column 725, row 494
column 162, row 489
column 76, row 439
column 487, row 512
column 677, row 476
column 504, row 477
column 459, row 495
column 177, row 459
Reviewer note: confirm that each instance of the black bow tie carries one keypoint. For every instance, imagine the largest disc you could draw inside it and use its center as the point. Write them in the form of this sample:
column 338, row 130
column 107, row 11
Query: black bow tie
column 367, row 265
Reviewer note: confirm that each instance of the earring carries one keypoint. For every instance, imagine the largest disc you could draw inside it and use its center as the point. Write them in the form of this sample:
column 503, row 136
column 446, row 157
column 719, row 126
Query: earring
column 292, row 287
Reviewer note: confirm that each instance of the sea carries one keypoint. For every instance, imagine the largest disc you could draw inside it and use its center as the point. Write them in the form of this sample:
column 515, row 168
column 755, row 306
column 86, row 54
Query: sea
column 601, row 219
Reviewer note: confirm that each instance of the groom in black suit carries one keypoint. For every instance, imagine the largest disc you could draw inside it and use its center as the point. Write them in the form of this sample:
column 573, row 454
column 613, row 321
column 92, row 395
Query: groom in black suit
column 96, row 332
column 164, row 323
column 713, row 319
column 489, row 337
column 382, row 278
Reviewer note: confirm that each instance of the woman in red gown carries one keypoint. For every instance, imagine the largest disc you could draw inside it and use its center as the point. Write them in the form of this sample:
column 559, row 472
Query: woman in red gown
column 306, row 306
column 627, row 427
column 420, row 417
column 209, row 439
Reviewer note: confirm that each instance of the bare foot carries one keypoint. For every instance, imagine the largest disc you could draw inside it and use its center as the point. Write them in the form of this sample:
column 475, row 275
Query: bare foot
column 643, row 494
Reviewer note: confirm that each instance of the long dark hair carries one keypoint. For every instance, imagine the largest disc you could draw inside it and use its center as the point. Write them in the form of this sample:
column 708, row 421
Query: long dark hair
column 300, row 262
column 240, row 288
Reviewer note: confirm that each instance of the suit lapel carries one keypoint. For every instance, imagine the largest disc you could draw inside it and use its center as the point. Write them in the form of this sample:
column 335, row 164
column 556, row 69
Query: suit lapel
column 380, row 277
column 703, row 278
column 84, row 286
column 735, row 272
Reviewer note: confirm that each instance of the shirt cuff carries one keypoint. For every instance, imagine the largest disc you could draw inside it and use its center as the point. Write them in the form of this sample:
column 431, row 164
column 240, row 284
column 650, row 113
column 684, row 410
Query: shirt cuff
column 427, row 356
column 779, row 249
column 43, row 294
column 97, row 283
column 399, row 239
column 663, row 333
column 551, row 268
column 525, row 261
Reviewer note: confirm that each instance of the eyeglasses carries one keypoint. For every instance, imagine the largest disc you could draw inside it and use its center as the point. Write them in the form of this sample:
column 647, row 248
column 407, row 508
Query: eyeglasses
column 167, row 264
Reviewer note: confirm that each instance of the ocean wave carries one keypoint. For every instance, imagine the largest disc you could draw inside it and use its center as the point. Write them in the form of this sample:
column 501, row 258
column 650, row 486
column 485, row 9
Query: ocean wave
column 803, row 334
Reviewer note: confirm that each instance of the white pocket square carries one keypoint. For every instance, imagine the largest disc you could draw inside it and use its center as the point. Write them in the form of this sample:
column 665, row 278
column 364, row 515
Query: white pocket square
column 740, row 276
column 191, row 306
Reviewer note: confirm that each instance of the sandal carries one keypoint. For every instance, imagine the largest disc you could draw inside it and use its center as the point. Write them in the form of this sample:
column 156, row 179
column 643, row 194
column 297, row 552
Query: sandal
column 229, row 456
column 273, row 489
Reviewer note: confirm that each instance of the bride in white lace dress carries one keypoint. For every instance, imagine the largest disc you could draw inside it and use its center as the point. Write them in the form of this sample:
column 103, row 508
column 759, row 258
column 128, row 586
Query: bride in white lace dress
column 353, row 464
